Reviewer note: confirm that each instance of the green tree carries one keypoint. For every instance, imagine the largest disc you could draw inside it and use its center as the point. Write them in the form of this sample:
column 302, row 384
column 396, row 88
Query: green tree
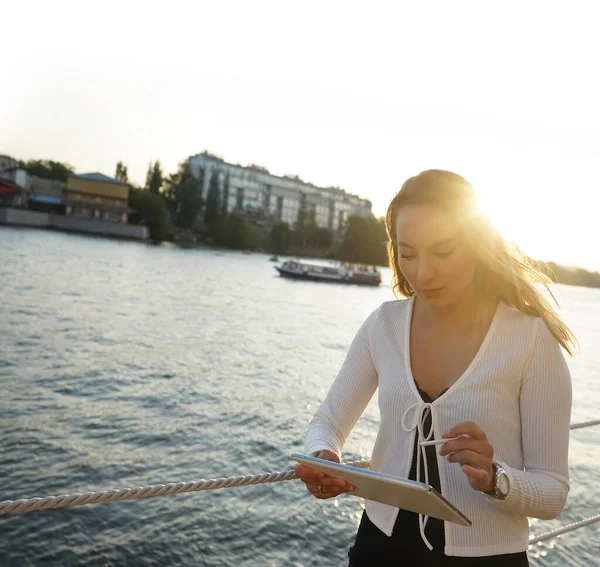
column 154, row 178
column 239, row 234
column 48, row 169
column 320, row 237
column 312, row 217
column 183, row 193
column 302, row 222
column 121, row 172
column 211, row 211
column 225, row 199
column 279, row 238
column 364, row 240
column 149, row 209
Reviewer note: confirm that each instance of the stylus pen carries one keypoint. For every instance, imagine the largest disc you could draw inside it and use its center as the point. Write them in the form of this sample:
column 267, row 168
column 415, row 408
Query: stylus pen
column 439, row 441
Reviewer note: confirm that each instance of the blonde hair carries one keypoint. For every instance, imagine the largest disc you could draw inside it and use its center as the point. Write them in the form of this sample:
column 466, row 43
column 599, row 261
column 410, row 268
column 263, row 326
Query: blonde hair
column 502, row 271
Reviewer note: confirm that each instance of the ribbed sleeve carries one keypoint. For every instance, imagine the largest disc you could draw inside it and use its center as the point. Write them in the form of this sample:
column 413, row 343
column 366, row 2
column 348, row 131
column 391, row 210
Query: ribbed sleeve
column 540, row 490
column 349, row 395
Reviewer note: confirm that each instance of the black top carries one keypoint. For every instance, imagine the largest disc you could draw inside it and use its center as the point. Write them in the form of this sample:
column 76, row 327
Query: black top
column 405, row 546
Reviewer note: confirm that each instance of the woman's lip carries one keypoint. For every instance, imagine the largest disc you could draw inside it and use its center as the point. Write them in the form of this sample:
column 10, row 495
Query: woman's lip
column 432, row 289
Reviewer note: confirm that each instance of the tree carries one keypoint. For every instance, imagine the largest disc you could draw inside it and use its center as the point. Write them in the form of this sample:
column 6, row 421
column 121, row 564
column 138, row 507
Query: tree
column 320, row 237
column 154, row 178
column 211, row 212
column 121, row 172
column 149, row 209
column 301, row 222
column 279, row 238
column 47, row 169
column 225, row 199
column 364, row 240
column 183, row 194
column 239, row 234
column 189, row 199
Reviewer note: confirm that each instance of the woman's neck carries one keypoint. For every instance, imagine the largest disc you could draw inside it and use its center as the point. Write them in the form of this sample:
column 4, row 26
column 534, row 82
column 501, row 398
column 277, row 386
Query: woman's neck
column 465, row 314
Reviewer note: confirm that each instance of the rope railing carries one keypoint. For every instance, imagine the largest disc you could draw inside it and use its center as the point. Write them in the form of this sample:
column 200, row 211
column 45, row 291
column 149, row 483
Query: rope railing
column 584, row 424
column 81, row 499
column 150, row 491
column 564, row 529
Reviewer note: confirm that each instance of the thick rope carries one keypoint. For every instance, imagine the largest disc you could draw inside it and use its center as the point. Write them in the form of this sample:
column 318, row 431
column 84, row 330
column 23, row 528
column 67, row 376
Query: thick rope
column 585, row 424
column 78, row 499
column 564, row 529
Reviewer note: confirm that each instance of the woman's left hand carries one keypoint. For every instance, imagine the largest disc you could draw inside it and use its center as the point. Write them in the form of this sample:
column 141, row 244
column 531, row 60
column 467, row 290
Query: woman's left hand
column 474, row 453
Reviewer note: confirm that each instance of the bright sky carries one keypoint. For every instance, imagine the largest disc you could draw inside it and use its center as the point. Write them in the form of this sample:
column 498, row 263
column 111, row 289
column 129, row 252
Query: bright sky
column 356, row 94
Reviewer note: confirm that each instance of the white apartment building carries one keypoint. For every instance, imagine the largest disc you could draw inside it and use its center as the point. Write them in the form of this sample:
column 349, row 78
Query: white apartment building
column 268, row 198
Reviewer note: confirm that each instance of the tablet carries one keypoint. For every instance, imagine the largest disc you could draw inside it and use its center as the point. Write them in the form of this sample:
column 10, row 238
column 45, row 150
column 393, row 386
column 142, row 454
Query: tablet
column 387, row 489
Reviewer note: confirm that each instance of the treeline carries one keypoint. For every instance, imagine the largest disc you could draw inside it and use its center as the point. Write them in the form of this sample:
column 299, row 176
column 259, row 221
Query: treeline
column 571, row 276
column 172, row 206
column 47, row 169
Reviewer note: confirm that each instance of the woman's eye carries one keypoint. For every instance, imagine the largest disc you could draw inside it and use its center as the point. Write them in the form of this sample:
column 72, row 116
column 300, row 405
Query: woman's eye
column 407, row 256
column 444, row 254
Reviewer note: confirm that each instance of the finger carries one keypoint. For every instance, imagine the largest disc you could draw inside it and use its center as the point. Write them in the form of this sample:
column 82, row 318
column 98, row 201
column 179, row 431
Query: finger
column 323, row 492
column 304, row 472
column 333, row 482
column 469, row 428
column 478, row 478
column 326, row 481
column 329, row 482
column 476, row 473
column 467, row 443
column 471, row 458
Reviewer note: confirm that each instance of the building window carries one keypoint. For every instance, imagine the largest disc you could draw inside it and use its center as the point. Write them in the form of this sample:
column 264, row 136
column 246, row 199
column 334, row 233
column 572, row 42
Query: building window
column 239, row 199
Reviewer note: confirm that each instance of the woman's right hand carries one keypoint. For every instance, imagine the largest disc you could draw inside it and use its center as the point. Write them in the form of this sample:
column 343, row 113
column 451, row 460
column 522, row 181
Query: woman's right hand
column 320, row 484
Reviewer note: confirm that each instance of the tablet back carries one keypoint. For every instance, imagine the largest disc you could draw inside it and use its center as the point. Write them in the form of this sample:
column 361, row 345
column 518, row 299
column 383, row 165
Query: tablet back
column 399, row 492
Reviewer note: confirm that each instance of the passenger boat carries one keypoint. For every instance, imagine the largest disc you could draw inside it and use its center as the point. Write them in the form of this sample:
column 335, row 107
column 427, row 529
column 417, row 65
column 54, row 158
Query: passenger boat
column 343, row 273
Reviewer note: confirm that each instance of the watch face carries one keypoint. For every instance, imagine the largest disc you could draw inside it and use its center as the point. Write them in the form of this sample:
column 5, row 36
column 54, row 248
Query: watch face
column 503, row 484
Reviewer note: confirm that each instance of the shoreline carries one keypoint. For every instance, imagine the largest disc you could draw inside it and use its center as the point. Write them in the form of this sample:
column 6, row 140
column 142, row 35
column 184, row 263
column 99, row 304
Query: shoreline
column 104, row 229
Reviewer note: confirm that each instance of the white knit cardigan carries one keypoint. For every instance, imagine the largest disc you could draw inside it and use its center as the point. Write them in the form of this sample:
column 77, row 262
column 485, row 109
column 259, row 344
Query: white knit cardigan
column 517, row 389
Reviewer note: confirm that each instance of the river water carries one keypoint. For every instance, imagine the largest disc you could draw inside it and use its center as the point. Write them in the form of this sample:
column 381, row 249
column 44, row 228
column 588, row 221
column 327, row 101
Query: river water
column 123, row 364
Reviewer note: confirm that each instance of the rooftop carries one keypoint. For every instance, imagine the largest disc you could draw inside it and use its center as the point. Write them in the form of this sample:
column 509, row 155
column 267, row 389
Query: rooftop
column 99, row 177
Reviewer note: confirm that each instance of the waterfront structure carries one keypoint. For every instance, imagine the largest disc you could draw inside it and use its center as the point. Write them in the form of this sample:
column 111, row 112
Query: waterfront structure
column 7, row 162
column 11, row 194
column 97, row 196
column 37, row 193
column 266, row 198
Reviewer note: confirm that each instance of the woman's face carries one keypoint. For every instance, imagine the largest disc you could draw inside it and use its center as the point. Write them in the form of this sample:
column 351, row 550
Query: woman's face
column 433, row 255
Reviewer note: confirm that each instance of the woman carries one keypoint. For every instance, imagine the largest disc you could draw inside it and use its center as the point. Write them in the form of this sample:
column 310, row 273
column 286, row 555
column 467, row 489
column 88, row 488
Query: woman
column 474, row 352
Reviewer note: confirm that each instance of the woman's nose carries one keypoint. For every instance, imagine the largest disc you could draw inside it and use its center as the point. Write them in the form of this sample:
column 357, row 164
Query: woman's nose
column 426, row 271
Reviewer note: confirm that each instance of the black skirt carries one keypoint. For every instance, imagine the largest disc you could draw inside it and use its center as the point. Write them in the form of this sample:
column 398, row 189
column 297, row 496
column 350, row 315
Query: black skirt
column 373, row 548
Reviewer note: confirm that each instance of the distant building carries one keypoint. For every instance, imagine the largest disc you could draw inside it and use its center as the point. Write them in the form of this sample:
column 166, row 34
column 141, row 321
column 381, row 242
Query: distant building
column 97, row 196
column 7, row 162
column 11, row 194
column 38, row 193
column 266, row 198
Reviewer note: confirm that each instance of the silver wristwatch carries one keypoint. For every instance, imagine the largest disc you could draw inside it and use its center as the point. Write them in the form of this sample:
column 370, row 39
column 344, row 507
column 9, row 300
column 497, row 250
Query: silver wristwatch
column 501, row 482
